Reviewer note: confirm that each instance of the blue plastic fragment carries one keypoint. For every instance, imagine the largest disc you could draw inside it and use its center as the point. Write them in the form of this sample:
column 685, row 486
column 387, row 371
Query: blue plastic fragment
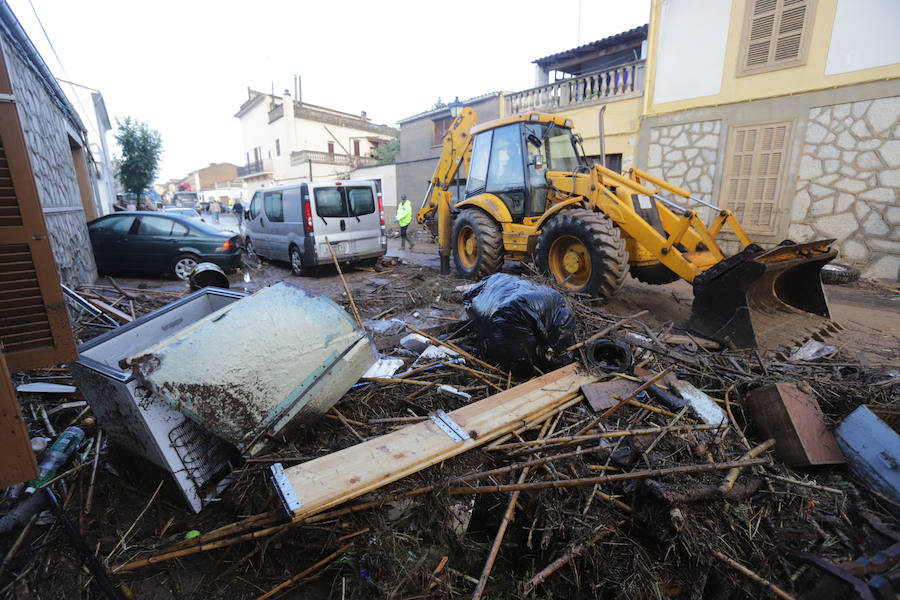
column 872, row 450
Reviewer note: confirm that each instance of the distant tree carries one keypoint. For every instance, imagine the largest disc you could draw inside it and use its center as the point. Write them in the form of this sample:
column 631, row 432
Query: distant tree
column 387, row 153
column 141, row 149
column 439, row 104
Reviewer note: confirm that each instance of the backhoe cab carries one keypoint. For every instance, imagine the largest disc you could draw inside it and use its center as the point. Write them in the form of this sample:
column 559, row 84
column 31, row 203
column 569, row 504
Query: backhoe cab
column 529, row 194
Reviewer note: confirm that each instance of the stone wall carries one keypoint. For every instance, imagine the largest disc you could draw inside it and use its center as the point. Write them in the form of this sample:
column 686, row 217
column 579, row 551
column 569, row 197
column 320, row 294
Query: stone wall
column 848, row 183
column 685, row 155
column 45, row 129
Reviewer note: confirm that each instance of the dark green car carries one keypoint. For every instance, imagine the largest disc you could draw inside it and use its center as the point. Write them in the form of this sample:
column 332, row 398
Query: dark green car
column 160, row 243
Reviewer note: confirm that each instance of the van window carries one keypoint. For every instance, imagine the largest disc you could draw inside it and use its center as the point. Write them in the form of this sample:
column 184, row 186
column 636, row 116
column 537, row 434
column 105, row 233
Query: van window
column 362, row 202
column 330, row 203
column 255, row 205
column 274, row 209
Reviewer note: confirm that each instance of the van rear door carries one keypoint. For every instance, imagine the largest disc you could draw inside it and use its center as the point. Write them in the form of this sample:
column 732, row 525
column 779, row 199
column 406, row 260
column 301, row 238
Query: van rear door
column 367, row 219
column 347, row 213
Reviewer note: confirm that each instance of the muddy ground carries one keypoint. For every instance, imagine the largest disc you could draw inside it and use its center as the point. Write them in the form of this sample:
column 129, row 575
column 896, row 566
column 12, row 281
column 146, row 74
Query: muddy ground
column 401, row 544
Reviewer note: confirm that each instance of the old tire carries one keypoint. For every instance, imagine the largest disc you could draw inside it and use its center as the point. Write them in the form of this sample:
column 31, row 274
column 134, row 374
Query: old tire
column 657, row 274
column 248, row 246
column 836, row 273
column 183, row 264
column 477, row 244
column 584, row 252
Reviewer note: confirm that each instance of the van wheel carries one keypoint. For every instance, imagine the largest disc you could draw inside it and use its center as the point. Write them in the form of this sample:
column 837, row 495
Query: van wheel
column 297, row 267
column 248, row 246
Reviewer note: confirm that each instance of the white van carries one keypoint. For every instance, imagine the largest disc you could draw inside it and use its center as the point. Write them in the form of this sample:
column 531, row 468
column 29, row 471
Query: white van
column 290, row 223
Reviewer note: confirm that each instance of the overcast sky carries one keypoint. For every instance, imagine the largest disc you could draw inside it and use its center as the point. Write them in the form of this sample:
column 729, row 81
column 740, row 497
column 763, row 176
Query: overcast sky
column 184, row 67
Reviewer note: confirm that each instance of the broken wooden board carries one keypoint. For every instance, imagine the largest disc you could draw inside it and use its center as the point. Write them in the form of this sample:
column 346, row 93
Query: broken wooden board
column 600, row 395
column 110, row 310
column 325, row 482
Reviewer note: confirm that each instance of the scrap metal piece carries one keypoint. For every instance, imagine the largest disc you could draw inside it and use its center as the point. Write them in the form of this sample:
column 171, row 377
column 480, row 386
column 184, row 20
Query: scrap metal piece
column 859, row 586
column 449, row 426
column 286, row 494
column 872, row 450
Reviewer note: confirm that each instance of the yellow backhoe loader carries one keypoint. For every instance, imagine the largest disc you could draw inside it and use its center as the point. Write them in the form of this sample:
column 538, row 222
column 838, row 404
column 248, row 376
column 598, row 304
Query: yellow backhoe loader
column 530, row 194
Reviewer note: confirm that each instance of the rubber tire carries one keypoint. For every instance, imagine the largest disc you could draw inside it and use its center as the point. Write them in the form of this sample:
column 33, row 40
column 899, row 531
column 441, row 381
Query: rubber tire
column 248, row 246
column 490, row 255
column 609, row 258
column 836, row 273
column 658, row 274
column 299, row 271
column 178, row 259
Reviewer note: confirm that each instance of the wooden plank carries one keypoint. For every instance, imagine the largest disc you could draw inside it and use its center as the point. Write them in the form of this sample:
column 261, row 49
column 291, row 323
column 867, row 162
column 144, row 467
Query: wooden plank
column 330, row 480
column 17, row 462
column 110, row 310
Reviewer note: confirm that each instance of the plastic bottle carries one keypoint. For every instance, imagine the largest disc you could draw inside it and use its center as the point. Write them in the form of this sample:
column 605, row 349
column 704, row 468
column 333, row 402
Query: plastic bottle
column 56, row 456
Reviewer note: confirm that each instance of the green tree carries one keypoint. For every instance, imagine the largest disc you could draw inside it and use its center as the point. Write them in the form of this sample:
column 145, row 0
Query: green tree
column 387, row 153
column 141, row 148
column 439, row 104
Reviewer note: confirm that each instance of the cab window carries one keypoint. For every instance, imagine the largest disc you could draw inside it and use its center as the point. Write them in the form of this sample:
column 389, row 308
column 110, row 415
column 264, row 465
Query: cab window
column 362, row 201
column 506, row 170
column 155, row 226
column 273, row 207
column 255, row 207
column 479, row 163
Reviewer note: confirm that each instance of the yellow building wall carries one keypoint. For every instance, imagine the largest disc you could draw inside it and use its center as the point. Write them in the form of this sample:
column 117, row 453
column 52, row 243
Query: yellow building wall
column 621, row 125
column 782, row 82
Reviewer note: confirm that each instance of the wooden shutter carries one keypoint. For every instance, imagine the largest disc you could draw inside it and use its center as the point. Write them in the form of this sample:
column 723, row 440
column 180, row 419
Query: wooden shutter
column 17, row 462
column 776, row 35
column 753, row 173
column 34, row 324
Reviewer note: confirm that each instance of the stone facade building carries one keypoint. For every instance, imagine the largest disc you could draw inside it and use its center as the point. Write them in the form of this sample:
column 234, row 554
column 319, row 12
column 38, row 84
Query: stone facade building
column 58, row 150
column 785, row 114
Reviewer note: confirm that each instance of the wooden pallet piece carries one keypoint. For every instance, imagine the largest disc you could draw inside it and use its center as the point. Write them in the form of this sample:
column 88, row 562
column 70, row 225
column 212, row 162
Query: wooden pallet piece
column 335, row 478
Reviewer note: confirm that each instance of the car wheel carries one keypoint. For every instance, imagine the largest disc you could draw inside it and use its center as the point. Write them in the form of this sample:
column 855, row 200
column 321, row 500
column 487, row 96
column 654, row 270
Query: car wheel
column 183, row 265
column 297, row 267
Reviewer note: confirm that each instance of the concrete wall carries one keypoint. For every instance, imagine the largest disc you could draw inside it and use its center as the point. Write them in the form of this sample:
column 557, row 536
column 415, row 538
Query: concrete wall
column 418, row 156
column 48, row 135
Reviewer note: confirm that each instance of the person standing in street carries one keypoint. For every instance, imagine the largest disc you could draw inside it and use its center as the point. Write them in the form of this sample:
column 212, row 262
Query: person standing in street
column 238, row 210
column 215, row 208
column 404, row 216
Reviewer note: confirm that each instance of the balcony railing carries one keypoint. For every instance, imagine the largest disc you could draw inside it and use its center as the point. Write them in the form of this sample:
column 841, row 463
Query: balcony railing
column 255, row 168
column 330, row 158
column 619, row 83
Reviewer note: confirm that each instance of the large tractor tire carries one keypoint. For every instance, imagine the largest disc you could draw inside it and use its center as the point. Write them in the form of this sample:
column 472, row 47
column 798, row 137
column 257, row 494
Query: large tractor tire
column 584, row 252
column 657, row 274
column 477, row 244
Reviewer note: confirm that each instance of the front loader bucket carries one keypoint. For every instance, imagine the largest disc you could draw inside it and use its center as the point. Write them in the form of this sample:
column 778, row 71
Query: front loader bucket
column 764, row 298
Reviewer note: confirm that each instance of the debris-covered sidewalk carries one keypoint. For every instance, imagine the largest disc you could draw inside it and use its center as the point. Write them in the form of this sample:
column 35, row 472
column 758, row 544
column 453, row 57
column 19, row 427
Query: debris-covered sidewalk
column 501, row 440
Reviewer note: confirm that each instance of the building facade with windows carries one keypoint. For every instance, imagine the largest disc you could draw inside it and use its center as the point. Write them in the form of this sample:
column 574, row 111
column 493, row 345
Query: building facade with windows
column 421, row 143
column 787, row 112
column 287, row 140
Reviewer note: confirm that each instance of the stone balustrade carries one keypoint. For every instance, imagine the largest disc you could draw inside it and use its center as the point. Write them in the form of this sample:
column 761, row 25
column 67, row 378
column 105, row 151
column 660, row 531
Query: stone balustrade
column 618, row 83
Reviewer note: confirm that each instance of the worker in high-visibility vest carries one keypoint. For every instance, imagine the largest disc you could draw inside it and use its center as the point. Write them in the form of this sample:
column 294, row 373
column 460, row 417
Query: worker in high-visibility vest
column 404, row 216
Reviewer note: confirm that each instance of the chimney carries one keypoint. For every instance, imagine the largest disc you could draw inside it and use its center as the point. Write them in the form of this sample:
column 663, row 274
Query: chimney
column 299, row 87
column 362, row 115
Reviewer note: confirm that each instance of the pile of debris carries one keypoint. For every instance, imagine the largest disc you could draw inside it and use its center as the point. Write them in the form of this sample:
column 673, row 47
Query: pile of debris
column 437, row 456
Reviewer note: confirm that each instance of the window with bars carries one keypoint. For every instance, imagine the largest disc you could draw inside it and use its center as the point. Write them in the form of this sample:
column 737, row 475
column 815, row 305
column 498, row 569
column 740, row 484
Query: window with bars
column 776, row 35
column 755, row 167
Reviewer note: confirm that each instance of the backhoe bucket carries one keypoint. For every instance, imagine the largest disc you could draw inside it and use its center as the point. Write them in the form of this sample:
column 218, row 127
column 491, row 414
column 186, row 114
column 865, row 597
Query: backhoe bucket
column 764, row 298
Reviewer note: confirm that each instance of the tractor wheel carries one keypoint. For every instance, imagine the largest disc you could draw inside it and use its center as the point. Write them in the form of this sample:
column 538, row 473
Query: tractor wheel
column 657, row 274
column 584, row 252
column 477, row 244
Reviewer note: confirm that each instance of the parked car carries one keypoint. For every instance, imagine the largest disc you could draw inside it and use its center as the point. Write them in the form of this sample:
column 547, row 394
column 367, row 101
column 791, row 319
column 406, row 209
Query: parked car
column 160, row 243
column 187, row 212
column 290, row 223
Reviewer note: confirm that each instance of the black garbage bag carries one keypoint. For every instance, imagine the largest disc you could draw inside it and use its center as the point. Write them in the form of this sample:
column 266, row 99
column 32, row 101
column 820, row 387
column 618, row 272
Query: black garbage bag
column 520, row 324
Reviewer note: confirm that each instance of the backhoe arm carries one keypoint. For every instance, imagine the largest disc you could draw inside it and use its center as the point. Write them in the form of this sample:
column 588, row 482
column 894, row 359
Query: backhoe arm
column 456, row 154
